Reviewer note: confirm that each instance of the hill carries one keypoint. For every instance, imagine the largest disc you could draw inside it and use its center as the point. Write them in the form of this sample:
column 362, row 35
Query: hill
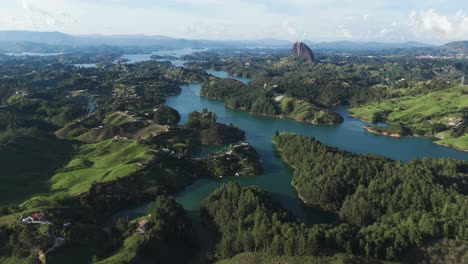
column 422, row 113
column 460, row 47
column 100, row 162
column 369, row 46
column 53, row 38
column 27, row 163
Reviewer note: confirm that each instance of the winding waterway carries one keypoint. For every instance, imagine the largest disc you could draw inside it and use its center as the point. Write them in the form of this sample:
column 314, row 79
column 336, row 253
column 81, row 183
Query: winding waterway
column 276, row 178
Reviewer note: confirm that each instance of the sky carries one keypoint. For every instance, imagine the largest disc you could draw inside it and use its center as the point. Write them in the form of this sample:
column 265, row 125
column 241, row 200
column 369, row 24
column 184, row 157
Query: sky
column 430, row 21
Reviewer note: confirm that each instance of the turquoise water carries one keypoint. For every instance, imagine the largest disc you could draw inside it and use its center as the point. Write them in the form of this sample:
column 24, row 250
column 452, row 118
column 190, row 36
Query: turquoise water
column 276, row 178
column 134, row 58
column 223, row 74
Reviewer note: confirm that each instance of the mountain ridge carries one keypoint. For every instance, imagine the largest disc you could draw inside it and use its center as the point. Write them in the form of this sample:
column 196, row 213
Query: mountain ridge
column 15, row 37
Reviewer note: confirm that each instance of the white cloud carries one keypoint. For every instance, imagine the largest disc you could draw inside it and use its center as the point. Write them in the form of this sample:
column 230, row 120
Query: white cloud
column 291, row 30
column 316, row 20
column 430, row 24
column 45, row 18
column 345, row 31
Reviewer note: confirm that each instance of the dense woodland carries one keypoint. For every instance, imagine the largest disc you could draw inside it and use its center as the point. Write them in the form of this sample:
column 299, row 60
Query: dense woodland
column 385, row 206
column 341, row 79
column 259, row 99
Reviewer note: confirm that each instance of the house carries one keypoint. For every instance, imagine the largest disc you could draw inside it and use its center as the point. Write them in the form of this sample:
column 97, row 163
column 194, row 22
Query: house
column 38, row 216
column 279, row 98
column 34, row 217
column 142, row 225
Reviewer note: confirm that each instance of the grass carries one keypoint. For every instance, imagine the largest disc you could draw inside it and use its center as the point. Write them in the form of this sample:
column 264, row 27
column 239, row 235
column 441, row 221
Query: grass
column 128, row 252
column 101, row 134
column 27, row 164
column 260, row 258
column 117, row 119
column 459, row 143
column 303, row 111
column 71, row 255
column 14, row 98
column 420, row 112
column 147, row 132
column 99, row 162
column 441, row 251
column 436, row 105
column 14, row 260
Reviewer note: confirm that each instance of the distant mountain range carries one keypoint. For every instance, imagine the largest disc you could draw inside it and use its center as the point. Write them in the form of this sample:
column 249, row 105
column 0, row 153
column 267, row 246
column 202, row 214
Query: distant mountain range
column 348, row 45
column 61, row 39
column 30, row 41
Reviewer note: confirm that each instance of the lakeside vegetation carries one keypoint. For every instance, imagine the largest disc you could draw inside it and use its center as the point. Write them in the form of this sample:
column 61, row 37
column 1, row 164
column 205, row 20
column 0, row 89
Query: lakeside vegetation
column 385, row 207
column 442, row 114
column 266, row 101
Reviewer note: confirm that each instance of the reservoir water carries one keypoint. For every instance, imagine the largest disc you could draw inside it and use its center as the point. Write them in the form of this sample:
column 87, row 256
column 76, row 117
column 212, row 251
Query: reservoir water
column 276, row 178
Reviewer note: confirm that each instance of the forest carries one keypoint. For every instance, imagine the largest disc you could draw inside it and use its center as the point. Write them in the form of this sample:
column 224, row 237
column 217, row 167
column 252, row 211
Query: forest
column 262, row 101
column 385, row 207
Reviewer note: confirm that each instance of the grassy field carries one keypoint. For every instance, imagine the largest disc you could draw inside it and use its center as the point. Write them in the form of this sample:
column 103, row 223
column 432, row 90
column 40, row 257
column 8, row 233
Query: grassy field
column 101, row 134
column 14, row 260
column 459, row 143
column 27, row 166
column 442, row 251
column 436, row 106
column 420, row 112
column 71, row 255
column 147, row 132
column 303, row 111
column 100, row 162
column 128, row 252
column 259, row 258
column 117, row 119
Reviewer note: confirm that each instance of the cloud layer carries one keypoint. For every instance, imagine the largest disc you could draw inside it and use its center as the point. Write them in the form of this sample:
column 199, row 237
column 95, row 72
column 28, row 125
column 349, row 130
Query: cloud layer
column 435, row 21
column 430, row 24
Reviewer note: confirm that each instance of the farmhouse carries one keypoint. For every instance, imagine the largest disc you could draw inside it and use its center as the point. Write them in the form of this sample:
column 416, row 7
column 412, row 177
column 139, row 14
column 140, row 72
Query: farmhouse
column 142, row 225
column 34, row 217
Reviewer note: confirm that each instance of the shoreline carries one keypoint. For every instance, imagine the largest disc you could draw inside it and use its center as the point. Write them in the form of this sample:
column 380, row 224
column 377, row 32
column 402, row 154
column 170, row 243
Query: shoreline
column 275, row 116
column 369, row 129
column 434, row 138
column 294, row 185
column 449, row 146
column 278, row 150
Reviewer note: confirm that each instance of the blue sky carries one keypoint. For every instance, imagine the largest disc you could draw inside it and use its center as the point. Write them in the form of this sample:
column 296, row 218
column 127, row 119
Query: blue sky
column 434, row 21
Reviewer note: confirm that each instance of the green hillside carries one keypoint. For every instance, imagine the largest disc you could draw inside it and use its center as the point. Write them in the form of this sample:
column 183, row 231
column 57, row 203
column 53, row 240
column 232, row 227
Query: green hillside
column 103, row 161
column 27, row 164
column 421, row 113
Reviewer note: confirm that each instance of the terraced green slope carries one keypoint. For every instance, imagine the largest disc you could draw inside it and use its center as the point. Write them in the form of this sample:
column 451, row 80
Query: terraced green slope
column 104, row 161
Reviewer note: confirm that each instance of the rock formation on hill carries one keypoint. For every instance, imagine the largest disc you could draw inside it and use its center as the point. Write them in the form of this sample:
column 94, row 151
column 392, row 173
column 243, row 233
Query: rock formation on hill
column 301, row 49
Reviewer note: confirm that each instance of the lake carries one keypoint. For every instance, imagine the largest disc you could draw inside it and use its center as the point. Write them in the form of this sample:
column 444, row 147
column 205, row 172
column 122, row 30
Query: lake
column 276, row 178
